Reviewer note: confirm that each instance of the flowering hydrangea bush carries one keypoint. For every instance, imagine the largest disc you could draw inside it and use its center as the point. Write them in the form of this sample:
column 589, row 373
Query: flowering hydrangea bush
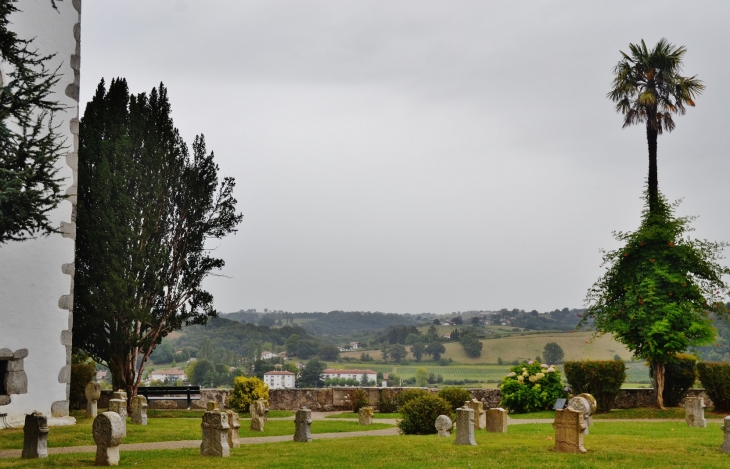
column 530, row 387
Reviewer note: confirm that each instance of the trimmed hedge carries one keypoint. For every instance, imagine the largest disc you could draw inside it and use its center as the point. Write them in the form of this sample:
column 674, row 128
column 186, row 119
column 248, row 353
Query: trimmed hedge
column 419, row 415
column 456, row 397
column 679, row 376
column 601, row 378
column 715, row 378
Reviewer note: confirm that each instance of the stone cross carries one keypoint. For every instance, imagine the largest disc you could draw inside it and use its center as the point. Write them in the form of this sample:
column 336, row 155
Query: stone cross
column 569, row 427
column 215, row 434
column 694, row 411
column 257, row 409
column 35, row 436
column 366, row 415
column 496, row 420
column 108, row 433
column 480, row 417
column 119, row 407
column 582, row 405
column 465, row 426
column 303, row 425
column 139, row 410
column 443, row 425
column 725, row 448
column 93, row 393
column 234, row 427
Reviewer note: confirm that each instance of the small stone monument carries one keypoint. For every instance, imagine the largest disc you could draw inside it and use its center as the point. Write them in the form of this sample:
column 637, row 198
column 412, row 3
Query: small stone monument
column 480, row 417
column 443, row 425
column 582, row 405
column 139, row 410
column 303, row 425
column 257, row 409
column 215, row 434
column 496, row 420
column 93, row 393
column 233, row 428
column 210, row 406
column 35, row 436
column 119, row 394
column 694, row 411
column 725, row 448
column 569, row 427
column 108, row 433
column 465, row 426
column 119, row 407
column 366, row 415
column 594, row 406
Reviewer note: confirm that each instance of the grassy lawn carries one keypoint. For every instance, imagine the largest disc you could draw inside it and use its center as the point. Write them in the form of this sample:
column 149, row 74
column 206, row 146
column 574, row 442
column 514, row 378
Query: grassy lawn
column 610, row 445
column 353, row 415
column 640, row 413
column 172, row 429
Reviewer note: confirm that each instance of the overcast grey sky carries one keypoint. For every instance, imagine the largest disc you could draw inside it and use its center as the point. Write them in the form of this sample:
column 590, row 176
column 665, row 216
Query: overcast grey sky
column 420, row 156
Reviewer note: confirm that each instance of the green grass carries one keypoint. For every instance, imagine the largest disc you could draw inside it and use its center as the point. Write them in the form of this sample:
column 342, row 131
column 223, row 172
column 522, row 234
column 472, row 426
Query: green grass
column 610, row 445
column 639, row 413
column 353, row 415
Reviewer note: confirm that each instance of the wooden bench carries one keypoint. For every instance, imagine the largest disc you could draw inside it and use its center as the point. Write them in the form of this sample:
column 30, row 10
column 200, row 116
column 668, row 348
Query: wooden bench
column 170, row 393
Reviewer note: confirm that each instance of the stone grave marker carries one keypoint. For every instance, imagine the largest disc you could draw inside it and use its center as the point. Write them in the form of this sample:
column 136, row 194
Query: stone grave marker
column 119, row 394
column 569, row 427
column 93, row 393
column 694, row 411
column 211, row 406
column 594, row 406
column 119, row 407
column 303, row 425
column 496, row 420
column 234, row 426
column 582, row 405
column 465, row 426
column 215, row 434
column 365, row 415
column 35, row 436
column 139, row 410
column 257, row 409
column 725, row 448
column 108, row 433
column 480, row 416
column 443, row 425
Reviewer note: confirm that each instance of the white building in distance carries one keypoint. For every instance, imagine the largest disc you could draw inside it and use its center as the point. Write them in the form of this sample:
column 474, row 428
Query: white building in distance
column 173, row 374
column 354, row 374
column 279, row 379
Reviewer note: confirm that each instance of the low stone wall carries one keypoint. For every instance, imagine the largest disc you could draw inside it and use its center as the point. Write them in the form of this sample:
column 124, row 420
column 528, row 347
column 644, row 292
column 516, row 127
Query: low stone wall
column 206, row 395
column 644, row 397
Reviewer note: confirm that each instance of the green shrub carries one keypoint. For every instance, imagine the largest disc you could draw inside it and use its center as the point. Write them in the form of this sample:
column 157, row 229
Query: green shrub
column 715, row 378
column 409, row 394
column 387, row 401
column 679, row 375
column 601, row 378
column 81, row 374
column 455, row 397
column 245, row 391
column 359, row 398
column 531, row 387
column 419, row 415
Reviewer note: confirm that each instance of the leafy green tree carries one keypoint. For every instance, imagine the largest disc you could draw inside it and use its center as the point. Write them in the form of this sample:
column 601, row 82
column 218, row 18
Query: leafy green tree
column 385, row 351
column 364, row 380
column 398, row 352
column 472, row 345
column 421, row 377
column 311, row 375
column 435, row 349
column 648, row 89
column 659, row 289
column 199, row 370
column 147, row 209
column 29, row 144
column 329, row 352
column 418, row 349
column 553, row 353
column 163, row 353
column 458, row 320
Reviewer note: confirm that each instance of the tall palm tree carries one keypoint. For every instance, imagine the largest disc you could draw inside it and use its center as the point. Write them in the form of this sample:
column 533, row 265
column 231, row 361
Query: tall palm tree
column 647, row 88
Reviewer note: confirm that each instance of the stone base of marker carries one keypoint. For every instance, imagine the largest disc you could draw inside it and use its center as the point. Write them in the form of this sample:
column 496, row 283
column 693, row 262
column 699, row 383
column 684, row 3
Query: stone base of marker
column 465, row 427
column 139, row 410
column 365, row 415
column 108, row 435
column 725, row 448
column 569, row 427
column 35, row 436
column 234, row 426
column 215, row 435
column 257, row 409
column 444, row 425
column 303, row 425
column 93, row 393
column 496, row 420
column 694, row 412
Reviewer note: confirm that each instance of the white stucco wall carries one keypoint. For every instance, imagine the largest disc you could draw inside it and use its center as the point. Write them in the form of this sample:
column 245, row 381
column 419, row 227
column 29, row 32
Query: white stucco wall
column 36, row 286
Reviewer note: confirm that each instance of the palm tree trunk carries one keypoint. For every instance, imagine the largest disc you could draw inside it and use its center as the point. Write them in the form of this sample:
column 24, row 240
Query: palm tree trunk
column 651, row 138
column 658, row 379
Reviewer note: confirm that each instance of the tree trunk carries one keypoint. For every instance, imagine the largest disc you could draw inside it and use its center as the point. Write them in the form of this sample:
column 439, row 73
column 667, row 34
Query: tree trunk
column 658, row 379
column 651, row 138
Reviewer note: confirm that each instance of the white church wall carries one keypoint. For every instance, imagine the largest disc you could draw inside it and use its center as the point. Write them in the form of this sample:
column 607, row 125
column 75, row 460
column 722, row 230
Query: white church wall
column 36, row 276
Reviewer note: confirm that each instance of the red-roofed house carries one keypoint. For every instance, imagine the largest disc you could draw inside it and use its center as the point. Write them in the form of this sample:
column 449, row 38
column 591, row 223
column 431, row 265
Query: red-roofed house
column 279, row 379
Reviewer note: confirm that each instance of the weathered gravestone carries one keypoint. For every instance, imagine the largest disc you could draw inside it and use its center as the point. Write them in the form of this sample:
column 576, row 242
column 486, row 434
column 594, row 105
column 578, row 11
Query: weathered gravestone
column 215, row 434
column 582, row 405
column 233, row 428
column 365, row 415
column 119, row 407
column 303, row 425
column 35, row 436
column 594, row 406
column 496, row 420
column 108, row 433
column 93, row 393
column 569, row 427
column 725, row 448
column 119, row 394
column 694, row 411
column 139, row 410
column 211, row 406
column 480, row 417
column 257, row 409
column 465, row 426
column 443, row 425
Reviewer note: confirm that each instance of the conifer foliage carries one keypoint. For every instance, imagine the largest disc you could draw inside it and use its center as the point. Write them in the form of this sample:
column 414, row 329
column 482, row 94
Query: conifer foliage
column 146, row 209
